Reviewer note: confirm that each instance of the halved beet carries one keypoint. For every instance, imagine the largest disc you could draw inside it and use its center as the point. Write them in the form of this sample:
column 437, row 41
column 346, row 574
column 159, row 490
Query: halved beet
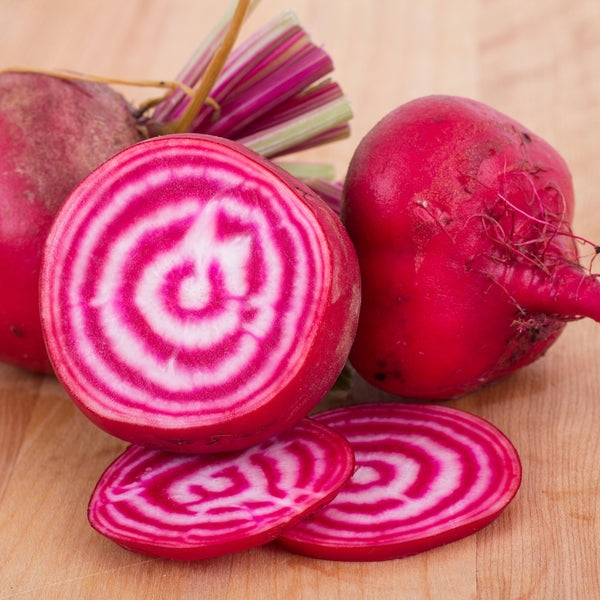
column 193, row 506
column 425, row 475
column 195, row 297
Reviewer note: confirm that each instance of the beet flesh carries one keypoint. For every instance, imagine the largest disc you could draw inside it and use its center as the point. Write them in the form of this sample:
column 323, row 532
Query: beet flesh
column 195, row 297
column 53, row 132
column 425, row 476
column 461, row 218
column 190, row 507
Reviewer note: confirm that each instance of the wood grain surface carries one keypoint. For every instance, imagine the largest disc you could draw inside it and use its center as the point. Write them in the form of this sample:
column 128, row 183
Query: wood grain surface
column 537, row 61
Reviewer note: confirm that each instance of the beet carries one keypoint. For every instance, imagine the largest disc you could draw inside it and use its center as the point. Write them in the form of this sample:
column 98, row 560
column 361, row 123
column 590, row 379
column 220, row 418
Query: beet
column 425, row 475
column 189, row 507
column 461, row 218
column 195, row 297
column 86, row 123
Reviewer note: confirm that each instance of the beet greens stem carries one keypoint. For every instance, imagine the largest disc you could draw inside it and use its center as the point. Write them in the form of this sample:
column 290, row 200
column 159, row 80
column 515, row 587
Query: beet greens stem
column 183, row 123
column 196, row 66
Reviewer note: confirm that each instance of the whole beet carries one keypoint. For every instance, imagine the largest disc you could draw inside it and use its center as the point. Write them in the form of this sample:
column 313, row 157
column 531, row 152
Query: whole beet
column 53, row 132
column 461, row 218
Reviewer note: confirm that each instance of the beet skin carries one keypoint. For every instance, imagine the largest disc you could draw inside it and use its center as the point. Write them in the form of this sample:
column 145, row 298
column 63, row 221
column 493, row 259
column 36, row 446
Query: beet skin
column 53, row 132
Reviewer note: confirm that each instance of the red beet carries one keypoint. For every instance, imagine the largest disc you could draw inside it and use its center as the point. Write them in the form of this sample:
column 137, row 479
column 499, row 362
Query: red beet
column 425, row 476
column 195, row 297
column 461, row 218
column 189, row 507
column 87, row 124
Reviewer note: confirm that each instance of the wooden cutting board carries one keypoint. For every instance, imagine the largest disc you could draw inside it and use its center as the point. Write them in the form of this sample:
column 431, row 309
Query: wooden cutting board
column 537, row 61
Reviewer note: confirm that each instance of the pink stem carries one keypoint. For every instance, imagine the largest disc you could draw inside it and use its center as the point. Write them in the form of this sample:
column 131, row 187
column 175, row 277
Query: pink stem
column 296, row 106
column 243, row 108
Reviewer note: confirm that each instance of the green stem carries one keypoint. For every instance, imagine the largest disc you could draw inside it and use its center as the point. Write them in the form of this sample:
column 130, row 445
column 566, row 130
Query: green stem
column 271, row 142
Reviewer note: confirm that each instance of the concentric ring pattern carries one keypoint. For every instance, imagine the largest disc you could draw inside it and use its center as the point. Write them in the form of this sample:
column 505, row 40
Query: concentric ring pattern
column 184, row 279
column 193, row 506
column 425, row 475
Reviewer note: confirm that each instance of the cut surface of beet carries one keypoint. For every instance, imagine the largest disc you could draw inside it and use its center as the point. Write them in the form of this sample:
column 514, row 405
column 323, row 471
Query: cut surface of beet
column 425, row 475
column 188, row 507
column 195, row 297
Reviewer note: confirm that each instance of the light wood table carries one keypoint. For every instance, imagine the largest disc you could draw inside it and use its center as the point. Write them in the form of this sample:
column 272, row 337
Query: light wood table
column 537, row 61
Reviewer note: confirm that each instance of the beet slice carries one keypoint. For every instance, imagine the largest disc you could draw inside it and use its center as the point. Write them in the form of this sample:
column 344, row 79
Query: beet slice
column 193, row 506
column 425, row 475
column 195, row 297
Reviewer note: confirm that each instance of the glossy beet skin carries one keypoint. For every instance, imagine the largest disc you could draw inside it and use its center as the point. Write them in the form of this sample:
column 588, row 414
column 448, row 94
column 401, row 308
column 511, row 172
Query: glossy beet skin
column 461, row 220
column 53, row 132
column 195, row 297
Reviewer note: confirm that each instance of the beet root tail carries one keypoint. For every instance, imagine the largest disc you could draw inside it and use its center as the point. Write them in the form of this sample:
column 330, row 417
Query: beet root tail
column 568, row 292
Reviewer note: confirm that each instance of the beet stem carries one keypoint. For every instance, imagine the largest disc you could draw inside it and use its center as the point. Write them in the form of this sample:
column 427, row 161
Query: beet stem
column 211, row 74
column 197, row 64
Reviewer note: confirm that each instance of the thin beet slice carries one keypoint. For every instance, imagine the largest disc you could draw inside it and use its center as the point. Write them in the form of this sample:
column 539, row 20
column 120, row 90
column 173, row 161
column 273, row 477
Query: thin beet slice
column 425, row 475
column 196, row 298
column 193, row 506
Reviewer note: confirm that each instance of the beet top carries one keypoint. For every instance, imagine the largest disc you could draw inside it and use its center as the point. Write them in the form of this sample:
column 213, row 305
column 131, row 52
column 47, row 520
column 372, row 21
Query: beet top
column 425, row 475
column 461, row 218
column 195, row 297
column 188, row 507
